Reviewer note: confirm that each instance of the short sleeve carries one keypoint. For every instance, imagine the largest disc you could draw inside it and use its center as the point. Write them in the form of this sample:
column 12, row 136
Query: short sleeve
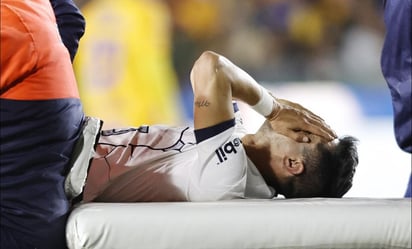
column 221, row 170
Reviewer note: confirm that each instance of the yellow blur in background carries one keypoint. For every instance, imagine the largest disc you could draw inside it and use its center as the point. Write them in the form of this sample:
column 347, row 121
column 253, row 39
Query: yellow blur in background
column 124, row 67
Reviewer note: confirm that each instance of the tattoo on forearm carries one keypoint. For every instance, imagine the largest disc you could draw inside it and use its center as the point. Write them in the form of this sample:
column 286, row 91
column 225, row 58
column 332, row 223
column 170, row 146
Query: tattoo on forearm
column 202, row 103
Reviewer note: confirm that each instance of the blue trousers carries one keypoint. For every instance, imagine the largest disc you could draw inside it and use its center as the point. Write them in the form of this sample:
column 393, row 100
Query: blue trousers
column 396, row 63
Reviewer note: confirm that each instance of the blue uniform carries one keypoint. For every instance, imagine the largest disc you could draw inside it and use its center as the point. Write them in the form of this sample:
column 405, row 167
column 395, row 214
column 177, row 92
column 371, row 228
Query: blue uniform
column 40, row 118
column 70, row 22
column 396, row 65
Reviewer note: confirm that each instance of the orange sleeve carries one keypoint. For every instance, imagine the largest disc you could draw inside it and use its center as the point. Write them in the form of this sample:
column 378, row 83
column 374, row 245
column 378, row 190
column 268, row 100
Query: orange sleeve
column 17, row 61
column 35, row 65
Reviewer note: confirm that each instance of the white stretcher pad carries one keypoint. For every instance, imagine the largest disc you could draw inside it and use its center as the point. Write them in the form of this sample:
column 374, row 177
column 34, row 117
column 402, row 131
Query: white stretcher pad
column 279, row 223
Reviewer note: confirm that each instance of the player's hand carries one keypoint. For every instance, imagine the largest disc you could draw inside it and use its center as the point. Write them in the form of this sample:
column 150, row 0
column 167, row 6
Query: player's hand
column 297, row 122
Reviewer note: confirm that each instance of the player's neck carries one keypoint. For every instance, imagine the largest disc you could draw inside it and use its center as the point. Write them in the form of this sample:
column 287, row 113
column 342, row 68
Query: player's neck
column 258, row 152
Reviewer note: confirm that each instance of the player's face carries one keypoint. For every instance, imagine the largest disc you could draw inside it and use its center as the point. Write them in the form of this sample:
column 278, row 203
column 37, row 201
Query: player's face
column 283, row 147
column 287, row 155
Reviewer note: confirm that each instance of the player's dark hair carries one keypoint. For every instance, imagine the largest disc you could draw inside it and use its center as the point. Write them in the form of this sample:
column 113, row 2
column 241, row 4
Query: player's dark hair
column 329, row 171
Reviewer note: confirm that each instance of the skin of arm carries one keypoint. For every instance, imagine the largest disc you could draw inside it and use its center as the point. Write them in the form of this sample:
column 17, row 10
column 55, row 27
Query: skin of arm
column 216, row 82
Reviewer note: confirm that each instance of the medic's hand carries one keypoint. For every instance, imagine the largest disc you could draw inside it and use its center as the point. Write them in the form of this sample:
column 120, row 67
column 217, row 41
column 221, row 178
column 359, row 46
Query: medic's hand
column 297, row 122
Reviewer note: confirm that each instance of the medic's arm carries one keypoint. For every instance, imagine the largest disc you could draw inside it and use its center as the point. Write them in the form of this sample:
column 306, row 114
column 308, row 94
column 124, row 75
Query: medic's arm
column 70, row 22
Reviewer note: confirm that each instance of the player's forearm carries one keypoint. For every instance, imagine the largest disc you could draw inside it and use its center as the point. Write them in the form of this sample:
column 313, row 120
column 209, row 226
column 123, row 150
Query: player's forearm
column 245, row 88
column 212, row 70
column 216, row 82
column 242, row 85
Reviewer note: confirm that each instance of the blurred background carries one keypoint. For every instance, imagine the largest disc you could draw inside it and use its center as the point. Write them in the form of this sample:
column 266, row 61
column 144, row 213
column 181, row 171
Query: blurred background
column 135, row 58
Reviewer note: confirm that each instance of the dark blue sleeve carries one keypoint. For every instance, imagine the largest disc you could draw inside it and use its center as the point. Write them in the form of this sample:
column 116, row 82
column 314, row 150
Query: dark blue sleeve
column 71, row 23
column 396, row 62
column 208, row 132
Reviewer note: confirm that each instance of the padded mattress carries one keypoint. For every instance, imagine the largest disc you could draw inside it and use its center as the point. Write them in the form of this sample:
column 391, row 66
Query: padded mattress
column 278, row 223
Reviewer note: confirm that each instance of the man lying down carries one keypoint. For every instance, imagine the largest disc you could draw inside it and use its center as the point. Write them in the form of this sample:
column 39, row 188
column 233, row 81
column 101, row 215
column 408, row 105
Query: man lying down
column 294, row 153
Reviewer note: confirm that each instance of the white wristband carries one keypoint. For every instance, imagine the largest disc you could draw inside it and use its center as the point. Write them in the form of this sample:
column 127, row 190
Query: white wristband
column 265, row 104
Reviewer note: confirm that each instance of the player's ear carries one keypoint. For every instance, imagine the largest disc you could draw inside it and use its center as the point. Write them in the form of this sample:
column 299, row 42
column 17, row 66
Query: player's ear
column 294, row 166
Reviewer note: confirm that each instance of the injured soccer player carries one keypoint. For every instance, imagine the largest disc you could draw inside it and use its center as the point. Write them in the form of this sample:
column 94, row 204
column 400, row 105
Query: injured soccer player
column 294, row 153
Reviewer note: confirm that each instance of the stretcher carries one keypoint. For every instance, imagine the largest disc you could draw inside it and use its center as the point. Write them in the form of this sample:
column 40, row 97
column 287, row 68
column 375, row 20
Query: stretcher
column 251, row 223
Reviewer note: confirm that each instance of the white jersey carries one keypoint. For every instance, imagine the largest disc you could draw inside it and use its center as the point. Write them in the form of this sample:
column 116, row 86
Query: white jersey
column 163, row 163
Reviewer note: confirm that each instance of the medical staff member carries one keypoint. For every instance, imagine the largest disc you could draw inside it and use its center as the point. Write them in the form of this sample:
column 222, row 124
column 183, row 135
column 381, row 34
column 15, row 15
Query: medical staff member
column 41, row 118
column 396, row 63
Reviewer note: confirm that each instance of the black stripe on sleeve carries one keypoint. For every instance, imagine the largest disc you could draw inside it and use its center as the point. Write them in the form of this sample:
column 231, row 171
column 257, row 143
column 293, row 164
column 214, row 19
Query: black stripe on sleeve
column 235, row 106
column 208, row 132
